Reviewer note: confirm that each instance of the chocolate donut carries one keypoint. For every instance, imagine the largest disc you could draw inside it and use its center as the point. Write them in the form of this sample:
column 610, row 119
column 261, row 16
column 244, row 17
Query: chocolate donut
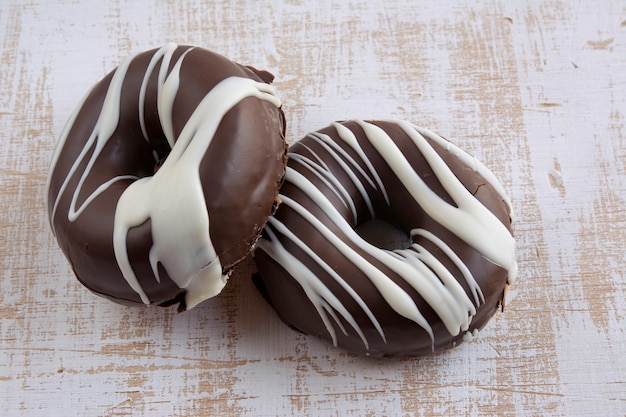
column 323, row 278
column 165, row 175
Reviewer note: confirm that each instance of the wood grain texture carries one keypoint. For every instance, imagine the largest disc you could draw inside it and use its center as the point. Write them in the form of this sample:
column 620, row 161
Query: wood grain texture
column 535, row 89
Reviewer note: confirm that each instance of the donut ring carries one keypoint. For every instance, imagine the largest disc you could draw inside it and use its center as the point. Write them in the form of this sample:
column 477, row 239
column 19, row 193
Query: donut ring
column 151, row 167
column 324, row 279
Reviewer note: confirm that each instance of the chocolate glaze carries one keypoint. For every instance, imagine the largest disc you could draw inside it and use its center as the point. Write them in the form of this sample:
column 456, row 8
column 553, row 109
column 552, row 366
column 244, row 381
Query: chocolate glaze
column 240, row 171
column 320, row 283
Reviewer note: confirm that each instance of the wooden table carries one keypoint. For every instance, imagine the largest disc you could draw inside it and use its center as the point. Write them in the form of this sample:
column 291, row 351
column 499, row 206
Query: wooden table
column 536, row 90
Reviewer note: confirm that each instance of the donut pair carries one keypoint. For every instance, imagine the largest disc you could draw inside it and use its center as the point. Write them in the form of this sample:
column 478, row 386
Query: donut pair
column 174, row 167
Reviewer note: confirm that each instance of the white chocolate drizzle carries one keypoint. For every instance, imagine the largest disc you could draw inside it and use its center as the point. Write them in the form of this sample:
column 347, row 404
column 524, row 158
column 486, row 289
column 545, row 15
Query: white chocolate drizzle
column 172, row 199
column 470, row 220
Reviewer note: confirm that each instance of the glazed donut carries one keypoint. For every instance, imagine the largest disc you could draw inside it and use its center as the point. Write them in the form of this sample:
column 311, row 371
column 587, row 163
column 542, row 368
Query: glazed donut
column 165, row 175
column 449, row 278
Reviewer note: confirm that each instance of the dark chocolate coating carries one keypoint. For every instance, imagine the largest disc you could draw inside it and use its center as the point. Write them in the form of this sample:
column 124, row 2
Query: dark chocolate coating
column 403, row 336
column 240, row 173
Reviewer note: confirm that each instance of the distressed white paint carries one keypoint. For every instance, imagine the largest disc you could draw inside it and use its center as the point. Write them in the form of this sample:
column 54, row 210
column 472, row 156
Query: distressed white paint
column 531, row 88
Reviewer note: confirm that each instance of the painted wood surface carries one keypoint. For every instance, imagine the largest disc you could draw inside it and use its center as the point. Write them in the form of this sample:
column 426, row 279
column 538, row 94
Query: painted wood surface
column 535, row 89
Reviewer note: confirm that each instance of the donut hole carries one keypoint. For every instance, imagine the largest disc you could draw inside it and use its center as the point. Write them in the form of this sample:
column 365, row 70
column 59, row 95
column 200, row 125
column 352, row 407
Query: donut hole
column 134, row 155
column 157, row 150
column 383, row 235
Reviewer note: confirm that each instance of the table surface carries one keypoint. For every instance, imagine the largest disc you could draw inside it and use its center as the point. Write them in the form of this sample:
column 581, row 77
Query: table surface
column 536, row 90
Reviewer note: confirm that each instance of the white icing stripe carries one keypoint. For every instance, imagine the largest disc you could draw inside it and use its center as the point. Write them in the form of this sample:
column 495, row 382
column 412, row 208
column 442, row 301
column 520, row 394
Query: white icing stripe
column 471, row 221
column 326, row 177
column 470, row 161
column 102, row 131
column 55, row 158
column 469, row 279
column 348, row 137
column 330, row 142
column 166, row 92
column 353, row 177
column 166, row 53
column 172, row 199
